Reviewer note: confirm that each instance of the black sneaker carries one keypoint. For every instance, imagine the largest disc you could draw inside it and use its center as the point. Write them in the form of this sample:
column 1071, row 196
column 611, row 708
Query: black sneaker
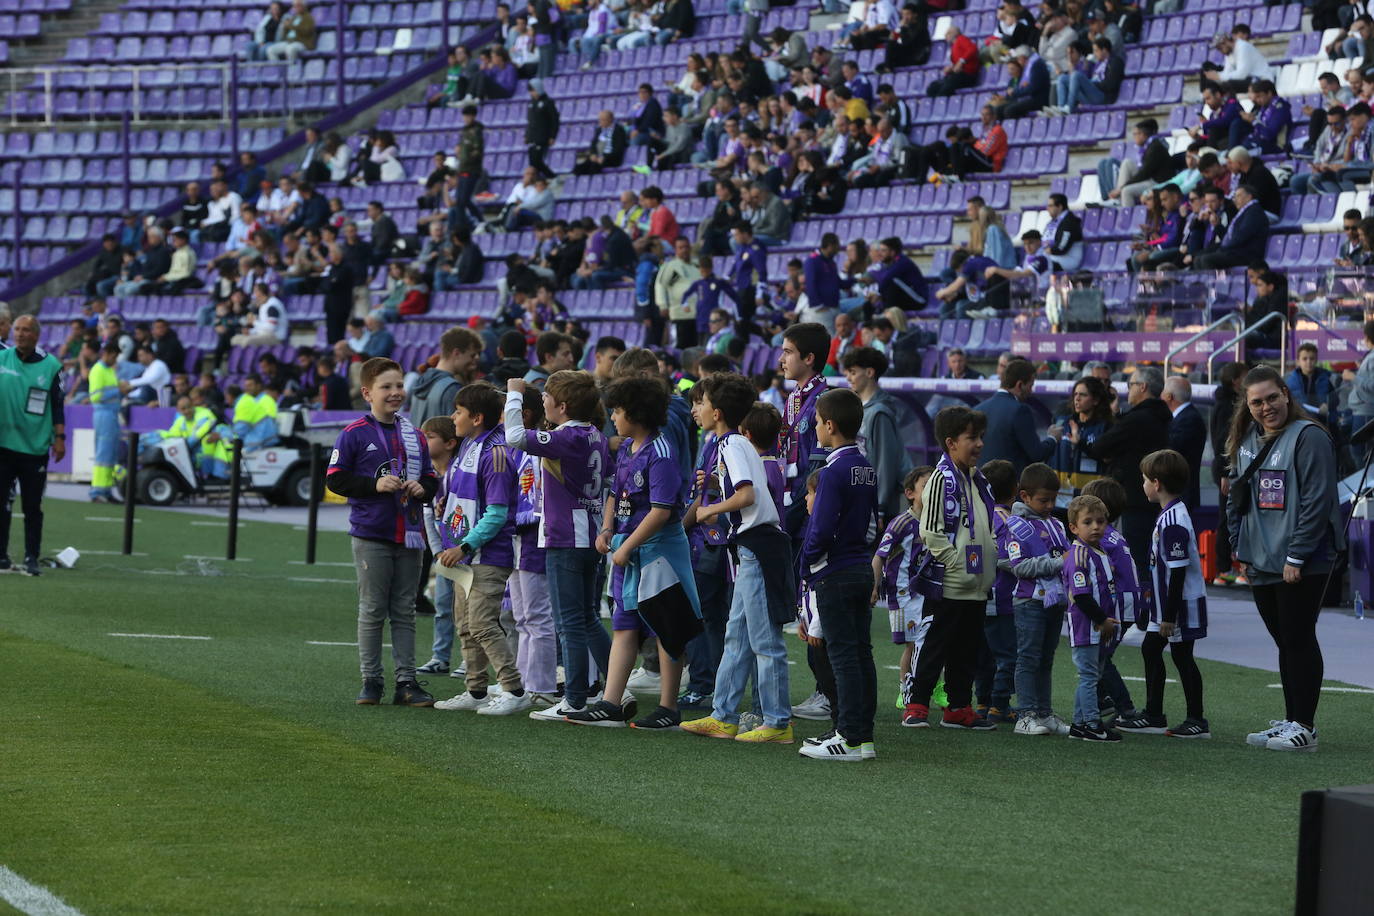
column 600, row 713
column 693, row 700
column 31, row 567
column 1144, row 724
column 410, row 693
column 661, row 719
column 371, row 694
column 5, row 564
column 1093, row 732
column 1190, row 728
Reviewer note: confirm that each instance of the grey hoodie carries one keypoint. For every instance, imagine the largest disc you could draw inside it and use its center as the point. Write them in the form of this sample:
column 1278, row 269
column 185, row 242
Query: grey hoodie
column 880, row 440
column 432, row 396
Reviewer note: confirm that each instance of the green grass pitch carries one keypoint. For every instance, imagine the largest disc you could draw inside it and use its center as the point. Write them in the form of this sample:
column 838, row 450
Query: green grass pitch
column 235, row 775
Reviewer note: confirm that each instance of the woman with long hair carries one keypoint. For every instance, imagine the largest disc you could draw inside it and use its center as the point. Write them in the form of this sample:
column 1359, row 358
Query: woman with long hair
column 1090, row 414
column 1284, row 515
column 988, row 237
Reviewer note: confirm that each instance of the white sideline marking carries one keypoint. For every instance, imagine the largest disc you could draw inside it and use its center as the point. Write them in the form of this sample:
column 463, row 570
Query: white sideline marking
column 216, row 524
column 317, row 642
column 318, row 563
column 112, row 553
column 315, row 579
column 106, row 518
column 1167, row 680
column 30, row 898
column 159, row 636
column 1333, row 689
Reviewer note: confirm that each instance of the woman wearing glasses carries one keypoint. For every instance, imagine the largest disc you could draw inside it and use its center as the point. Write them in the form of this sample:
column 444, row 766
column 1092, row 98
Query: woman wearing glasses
column 1285, row 518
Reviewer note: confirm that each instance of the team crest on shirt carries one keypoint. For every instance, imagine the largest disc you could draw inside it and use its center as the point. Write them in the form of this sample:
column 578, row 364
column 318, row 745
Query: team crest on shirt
column 527, row 481
column 334, row 458
column 639, row 479
column 458, row 524
column 1080, row 580
column 801, row 426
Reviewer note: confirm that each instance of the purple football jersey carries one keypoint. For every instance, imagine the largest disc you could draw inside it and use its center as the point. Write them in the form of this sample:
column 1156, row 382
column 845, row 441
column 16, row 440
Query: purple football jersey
column 1088, row 571
column 574, row 461
column 645, row 479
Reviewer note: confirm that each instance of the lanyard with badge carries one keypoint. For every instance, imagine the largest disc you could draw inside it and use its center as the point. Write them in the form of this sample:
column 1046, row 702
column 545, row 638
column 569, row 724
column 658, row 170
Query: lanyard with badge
column 37, row 402
column 973, row 553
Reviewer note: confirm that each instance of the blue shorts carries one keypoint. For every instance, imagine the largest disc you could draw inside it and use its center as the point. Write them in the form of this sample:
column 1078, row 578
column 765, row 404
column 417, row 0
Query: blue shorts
column 622, row 619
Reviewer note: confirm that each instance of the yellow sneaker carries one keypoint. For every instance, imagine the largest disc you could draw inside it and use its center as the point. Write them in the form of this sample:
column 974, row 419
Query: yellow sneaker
column 766, row 735
column 711, row 727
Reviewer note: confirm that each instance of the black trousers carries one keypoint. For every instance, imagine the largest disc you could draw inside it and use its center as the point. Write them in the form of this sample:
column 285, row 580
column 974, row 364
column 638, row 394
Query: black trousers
column 951, row 646
column 847, row 624
column 1152, row 652
column 686, row 332
column 31, row 471
column 1138, row 527
column 537, row 153
column 1290, row 614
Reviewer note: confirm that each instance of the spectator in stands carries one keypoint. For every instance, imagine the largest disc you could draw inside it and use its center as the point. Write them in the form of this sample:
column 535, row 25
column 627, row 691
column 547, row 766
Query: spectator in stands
column 250, row 174
column 149, row 267
column 909, row 45
column 1124, row 180
column 1333, row 95
column 311, row 214
column 986, row 234
column 1310, row 383
column 1243, row 63
column 1251, row 171
column 530, row 201
column 1352, row 252
column 1011, row 434
column 333, row 388
column 466, row 265
column 221, row 210
column 957, row 367
column 181, row 271
column 384, row 235
column 1056, row 38
column 145, row 387
column 674, row 277
column 378, row 341
column 714, row 232
column 677, row 19
column 167, row 346
column 1208, row 226
column 1245, row 238
column 194, row 209
column 295, row 35
column 1029, row 90
column 646, row 119
column 384, row 160
column 768, row 216
column 1357, row 159
column 674, row 148
column 496, row 77
column 1187, row 434
column 962, row 70
column 657, row 220
column 1260, row 128
column 1034, row 266
column 1220, row 109
column 1015, row 28
column 601, row 25
column 898, row 280
column 1163, row 244
column 265, row 33
column 1065, row 234
column 1327, row 149
column 541, row 127
column 606, row 149
column 1273, row 298
column 879, row 167
column 266, row 324
column 554, row 352
column 1099, row 86
column 105, row 267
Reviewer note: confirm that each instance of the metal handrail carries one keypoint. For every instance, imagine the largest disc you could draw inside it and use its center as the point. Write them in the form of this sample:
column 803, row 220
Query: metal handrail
column 1233, row 318
column 1267, row 319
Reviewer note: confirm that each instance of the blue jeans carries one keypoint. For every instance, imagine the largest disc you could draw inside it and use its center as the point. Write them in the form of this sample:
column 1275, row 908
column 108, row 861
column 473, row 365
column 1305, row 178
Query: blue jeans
column 1107, row 167
column 664, row 36
column 1037, row 638
column 753, row 641
column 1075, row 88
column 548, row 53
column 847, row 622
column 996, row 677
column 705, row 650
column 1088, row 661
column 572, row 586
column 590, row 48
column 443, row 619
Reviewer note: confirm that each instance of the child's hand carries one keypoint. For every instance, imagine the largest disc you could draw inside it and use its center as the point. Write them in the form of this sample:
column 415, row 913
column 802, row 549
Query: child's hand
column 701, row 480
column 621, row 557
column 516, row 384
column 1108, row 627
column 413, row 488
column 1166, row 628
column 706, row 513
column 450, row 558
column 873, row 598
column 389, row 484
column 603, row 542
column 801, row 630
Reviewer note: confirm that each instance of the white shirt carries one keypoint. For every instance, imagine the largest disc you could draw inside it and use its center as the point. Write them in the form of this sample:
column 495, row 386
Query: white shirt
column 737, row 462
column 1244, row 62
column 223, row 210
column 155, row 375
column 521, row 193
column 271, row 319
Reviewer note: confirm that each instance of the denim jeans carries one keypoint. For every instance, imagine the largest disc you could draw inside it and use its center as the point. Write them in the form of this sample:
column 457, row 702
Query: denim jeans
column 1088, row 661
column 590, row 48
column 996, row 678
column 1037, row 638
column 752, row 641
column 443, row 620
column 572, row 589
column 847, row 622
column 705, row 650
column 1075, row 88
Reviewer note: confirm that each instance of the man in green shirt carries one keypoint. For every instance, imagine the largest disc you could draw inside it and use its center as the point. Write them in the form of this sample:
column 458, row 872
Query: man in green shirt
column 31, row 424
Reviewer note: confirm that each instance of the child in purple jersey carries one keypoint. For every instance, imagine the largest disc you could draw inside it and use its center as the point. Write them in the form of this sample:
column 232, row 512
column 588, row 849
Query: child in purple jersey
column 899, row 565
column 1178, row 612
column 995, row 678
column 443, row 450
column 479, row 522
column 1114, row 698
column 1092, row 612
column 381, row 463
column 642, row 508
column 537, row 653
column 835, row 563
column 573, row 462
column 1033, row 545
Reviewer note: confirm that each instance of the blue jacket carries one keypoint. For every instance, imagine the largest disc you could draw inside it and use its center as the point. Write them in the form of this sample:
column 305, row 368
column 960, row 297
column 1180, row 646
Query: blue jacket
column 1248, row 233
column 822, row 280
column 1011, row 433
column 1311, row 390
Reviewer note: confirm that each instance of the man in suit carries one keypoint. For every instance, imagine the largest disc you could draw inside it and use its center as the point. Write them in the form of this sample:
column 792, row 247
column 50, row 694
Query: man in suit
column 1245, row 238
column 1011, row 425
column 607, row 147
column 1187, row 434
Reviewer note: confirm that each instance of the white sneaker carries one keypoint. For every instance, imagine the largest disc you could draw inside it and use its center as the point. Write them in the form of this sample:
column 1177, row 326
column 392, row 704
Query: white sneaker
column 507, row 704
column 1030, row 725
column 1056, row 725
column 1294, row 737
column 815, row 707
column 1261, row 739
column 834, row 748
column 642, row 679
column 460, row 672
column 555, row 713
column 464, row 702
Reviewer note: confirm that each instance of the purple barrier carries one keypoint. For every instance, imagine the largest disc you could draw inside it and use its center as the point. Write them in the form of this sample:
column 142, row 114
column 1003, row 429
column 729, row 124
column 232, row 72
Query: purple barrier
column 1117, row 346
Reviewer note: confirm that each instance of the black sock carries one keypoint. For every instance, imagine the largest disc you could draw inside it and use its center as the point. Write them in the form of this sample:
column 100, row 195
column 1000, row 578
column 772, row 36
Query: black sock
column 518, row 692
column 478, row 696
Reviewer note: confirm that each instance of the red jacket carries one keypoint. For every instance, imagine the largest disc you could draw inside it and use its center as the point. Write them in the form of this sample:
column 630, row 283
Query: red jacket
column 964, row 50
column 416, row 302
column 993, row 144
column 663, row 224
